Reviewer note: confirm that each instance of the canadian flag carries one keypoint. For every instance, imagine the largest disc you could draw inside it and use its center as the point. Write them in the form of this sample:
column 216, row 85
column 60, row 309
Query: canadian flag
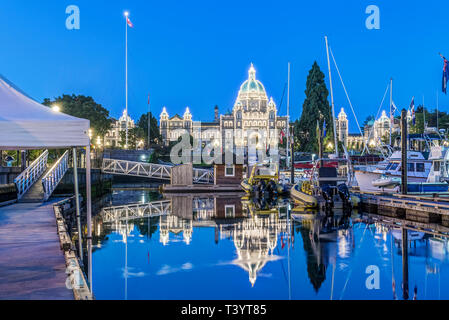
column 130, row 24
column 282, row 136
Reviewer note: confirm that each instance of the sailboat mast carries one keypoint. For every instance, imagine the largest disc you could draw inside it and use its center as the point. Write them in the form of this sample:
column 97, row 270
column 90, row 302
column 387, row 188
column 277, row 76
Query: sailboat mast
column 438, row 127
column 424, row 113
column 288, row 117
column 391, row 106
column 332, row 98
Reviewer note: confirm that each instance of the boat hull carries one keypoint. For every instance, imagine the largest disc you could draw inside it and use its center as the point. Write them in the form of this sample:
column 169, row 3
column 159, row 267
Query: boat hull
column 305, row 199
column 365, row 181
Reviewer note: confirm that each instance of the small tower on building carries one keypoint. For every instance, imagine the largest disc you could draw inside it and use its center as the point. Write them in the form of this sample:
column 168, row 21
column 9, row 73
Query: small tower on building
column 342, row 127
column 217, row 116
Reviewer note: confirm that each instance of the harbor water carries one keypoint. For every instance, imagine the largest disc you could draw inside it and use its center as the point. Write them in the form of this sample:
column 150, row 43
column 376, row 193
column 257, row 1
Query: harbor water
column 222, row 247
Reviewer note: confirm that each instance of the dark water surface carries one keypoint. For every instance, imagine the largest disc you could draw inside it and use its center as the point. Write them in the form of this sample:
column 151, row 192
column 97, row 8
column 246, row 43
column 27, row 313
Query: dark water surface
column 223, row 248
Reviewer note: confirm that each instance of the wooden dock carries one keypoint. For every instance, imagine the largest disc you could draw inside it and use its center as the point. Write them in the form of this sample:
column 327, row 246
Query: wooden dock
column 32, row 265
column 419, row 208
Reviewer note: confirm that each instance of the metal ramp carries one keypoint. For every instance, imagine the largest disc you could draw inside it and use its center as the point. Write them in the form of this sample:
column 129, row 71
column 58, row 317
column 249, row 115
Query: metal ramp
column 37, row 182
column 152, row 171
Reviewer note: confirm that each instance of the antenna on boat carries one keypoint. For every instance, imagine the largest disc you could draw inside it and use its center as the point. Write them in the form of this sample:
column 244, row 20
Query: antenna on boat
column 332, row 98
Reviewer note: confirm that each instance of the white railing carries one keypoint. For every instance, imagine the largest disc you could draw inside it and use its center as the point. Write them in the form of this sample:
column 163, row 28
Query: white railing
column 55, row 175
column 152, row 170
column 136, row 211
column 203, row 176
column 138, row 169
column 32, row 174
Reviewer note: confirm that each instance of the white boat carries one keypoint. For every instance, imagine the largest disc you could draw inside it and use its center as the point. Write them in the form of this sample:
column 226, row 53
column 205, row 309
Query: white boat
column 370, row 178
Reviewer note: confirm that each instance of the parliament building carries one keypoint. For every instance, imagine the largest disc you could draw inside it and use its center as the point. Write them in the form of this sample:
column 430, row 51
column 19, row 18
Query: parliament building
column 254, row 119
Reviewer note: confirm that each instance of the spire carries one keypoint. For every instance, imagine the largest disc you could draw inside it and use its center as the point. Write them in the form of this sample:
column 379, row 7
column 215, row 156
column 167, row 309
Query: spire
column 164, row 114
column 252, row 72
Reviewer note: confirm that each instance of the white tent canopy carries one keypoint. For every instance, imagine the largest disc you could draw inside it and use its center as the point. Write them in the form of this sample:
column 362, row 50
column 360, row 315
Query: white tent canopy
column 27, row 124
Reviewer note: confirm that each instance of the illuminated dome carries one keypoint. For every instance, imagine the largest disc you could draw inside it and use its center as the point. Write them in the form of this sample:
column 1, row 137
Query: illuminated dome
column 252, row 88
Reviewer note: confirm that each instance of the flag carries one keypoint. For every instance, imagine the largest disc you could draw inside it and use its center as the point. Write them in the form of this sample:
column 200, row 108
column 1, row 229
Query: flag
column 130, row 24
column 282, row 136
column 445, row 75
column 393, row 111
column 412, row 110
column 324, row 128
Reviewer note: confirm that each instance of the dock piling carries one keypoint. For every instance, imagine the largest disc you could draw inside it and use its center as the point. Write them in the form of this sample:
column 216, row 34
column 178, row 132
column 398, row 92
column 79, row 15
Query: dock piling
column 404, row 138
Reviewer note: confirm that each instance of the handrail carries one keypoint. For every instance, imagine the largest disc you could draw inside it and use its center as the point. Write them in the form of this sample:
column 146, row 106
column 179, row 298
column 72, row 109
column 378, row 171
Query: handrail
column 29, row 177
column 152, row 170
column 55, row 175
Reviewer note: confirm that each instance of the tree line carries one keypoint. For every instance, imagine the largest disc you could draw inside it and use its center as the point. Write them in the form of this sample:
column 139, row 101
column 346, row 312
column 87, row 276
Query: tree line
column 101, row 122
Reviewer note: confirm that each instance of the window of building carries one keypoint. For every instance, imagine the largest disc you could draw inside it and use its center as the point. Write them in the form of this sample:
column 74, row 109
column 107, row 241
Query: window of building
column 411, row 167
column 230, row 171
column 230, row 211
column 437, row 166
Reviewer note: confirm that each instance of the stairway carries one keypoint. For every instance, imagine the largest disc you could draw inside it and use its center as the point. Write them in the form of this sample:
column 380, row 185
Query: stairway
column 36, row 192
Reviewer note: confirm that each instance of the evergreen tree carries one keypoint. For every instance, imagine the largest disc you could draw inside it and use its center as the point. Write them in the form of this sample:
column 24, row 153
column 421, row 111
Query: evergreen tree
column 154, row 130
column 316, row 107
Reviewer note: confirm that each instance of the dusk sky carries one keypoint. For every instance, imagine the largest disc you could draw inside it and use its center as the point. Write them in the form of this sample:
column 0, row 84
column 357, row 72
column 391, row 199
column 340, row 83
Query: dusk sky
column 197, row 53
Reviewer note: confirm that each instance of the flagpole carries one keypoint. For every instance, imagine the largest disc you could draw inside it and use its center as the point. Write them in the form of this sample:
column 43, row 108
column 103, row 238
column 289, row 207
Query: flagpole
column 391, row 103
column 334, row 124
column 149, row 123
column 126, row 75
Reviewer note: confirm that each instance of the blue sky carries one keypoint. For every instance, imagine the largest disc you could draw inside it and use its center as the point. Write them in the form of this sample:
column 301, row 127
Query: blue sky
column 197, row 53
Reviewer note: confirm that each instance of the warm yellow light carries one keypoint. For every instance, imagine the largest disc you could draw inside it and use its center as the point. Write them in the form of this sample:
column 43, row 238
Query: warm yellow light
column 56, row 108
column 330, row 145
column 90, row 133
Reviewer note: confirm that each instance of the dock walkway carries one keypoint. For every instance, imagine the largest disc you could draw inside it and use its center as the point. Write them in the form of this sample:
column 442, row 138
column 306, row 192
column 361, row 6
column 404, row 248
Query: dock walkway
column 32, row 266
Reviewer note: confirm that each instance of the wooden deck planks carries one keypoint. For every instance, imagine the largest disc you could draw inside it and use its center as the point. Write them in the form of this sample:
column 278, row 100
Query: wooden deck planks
column 32, row 266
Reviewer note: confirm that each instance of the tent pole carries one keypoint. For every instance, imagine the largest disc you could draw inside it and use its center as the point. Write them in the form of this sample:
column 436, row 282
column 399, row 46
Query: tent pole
column 89, row 216
column 77, row 201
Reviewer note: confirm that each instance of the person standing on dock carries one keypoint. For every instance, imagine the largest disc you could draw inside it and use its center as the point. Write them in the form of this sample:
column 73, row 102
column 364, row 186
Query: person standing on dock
column 445, row 73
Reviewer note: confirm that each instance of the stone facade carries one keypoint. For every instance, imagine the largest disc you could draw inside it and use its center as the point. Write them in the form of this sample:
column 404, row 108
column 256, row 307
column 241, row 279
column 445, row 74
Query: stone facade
column 253, row 120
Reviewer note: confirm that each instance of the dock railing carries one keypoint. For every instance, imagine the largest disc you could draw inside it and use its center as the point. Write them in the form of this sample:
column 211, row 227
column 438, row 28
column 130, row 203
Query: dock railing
column 31, row 175
column 55, row 175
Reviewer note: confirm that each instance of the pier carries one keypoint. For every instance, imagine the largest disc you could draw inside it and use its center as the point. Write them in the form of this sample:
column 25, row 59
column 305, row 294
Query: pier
column 32, row 265
column 416, row 208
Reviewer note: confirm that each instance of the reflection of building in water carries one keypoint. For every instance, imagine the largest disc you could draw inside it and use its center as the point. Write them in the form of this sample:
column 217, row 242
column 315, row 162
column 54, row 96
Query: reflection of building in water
column 255, row 239
column 124, row 229
column 173, row 224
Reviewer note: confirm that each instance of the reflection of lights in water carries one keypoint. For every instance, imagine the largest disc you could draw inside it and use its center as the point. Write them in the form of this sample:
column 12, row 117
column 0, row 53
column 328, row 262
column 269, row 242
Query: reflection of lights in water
column 173, row 224
column 255, row 239
column 344, row 246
